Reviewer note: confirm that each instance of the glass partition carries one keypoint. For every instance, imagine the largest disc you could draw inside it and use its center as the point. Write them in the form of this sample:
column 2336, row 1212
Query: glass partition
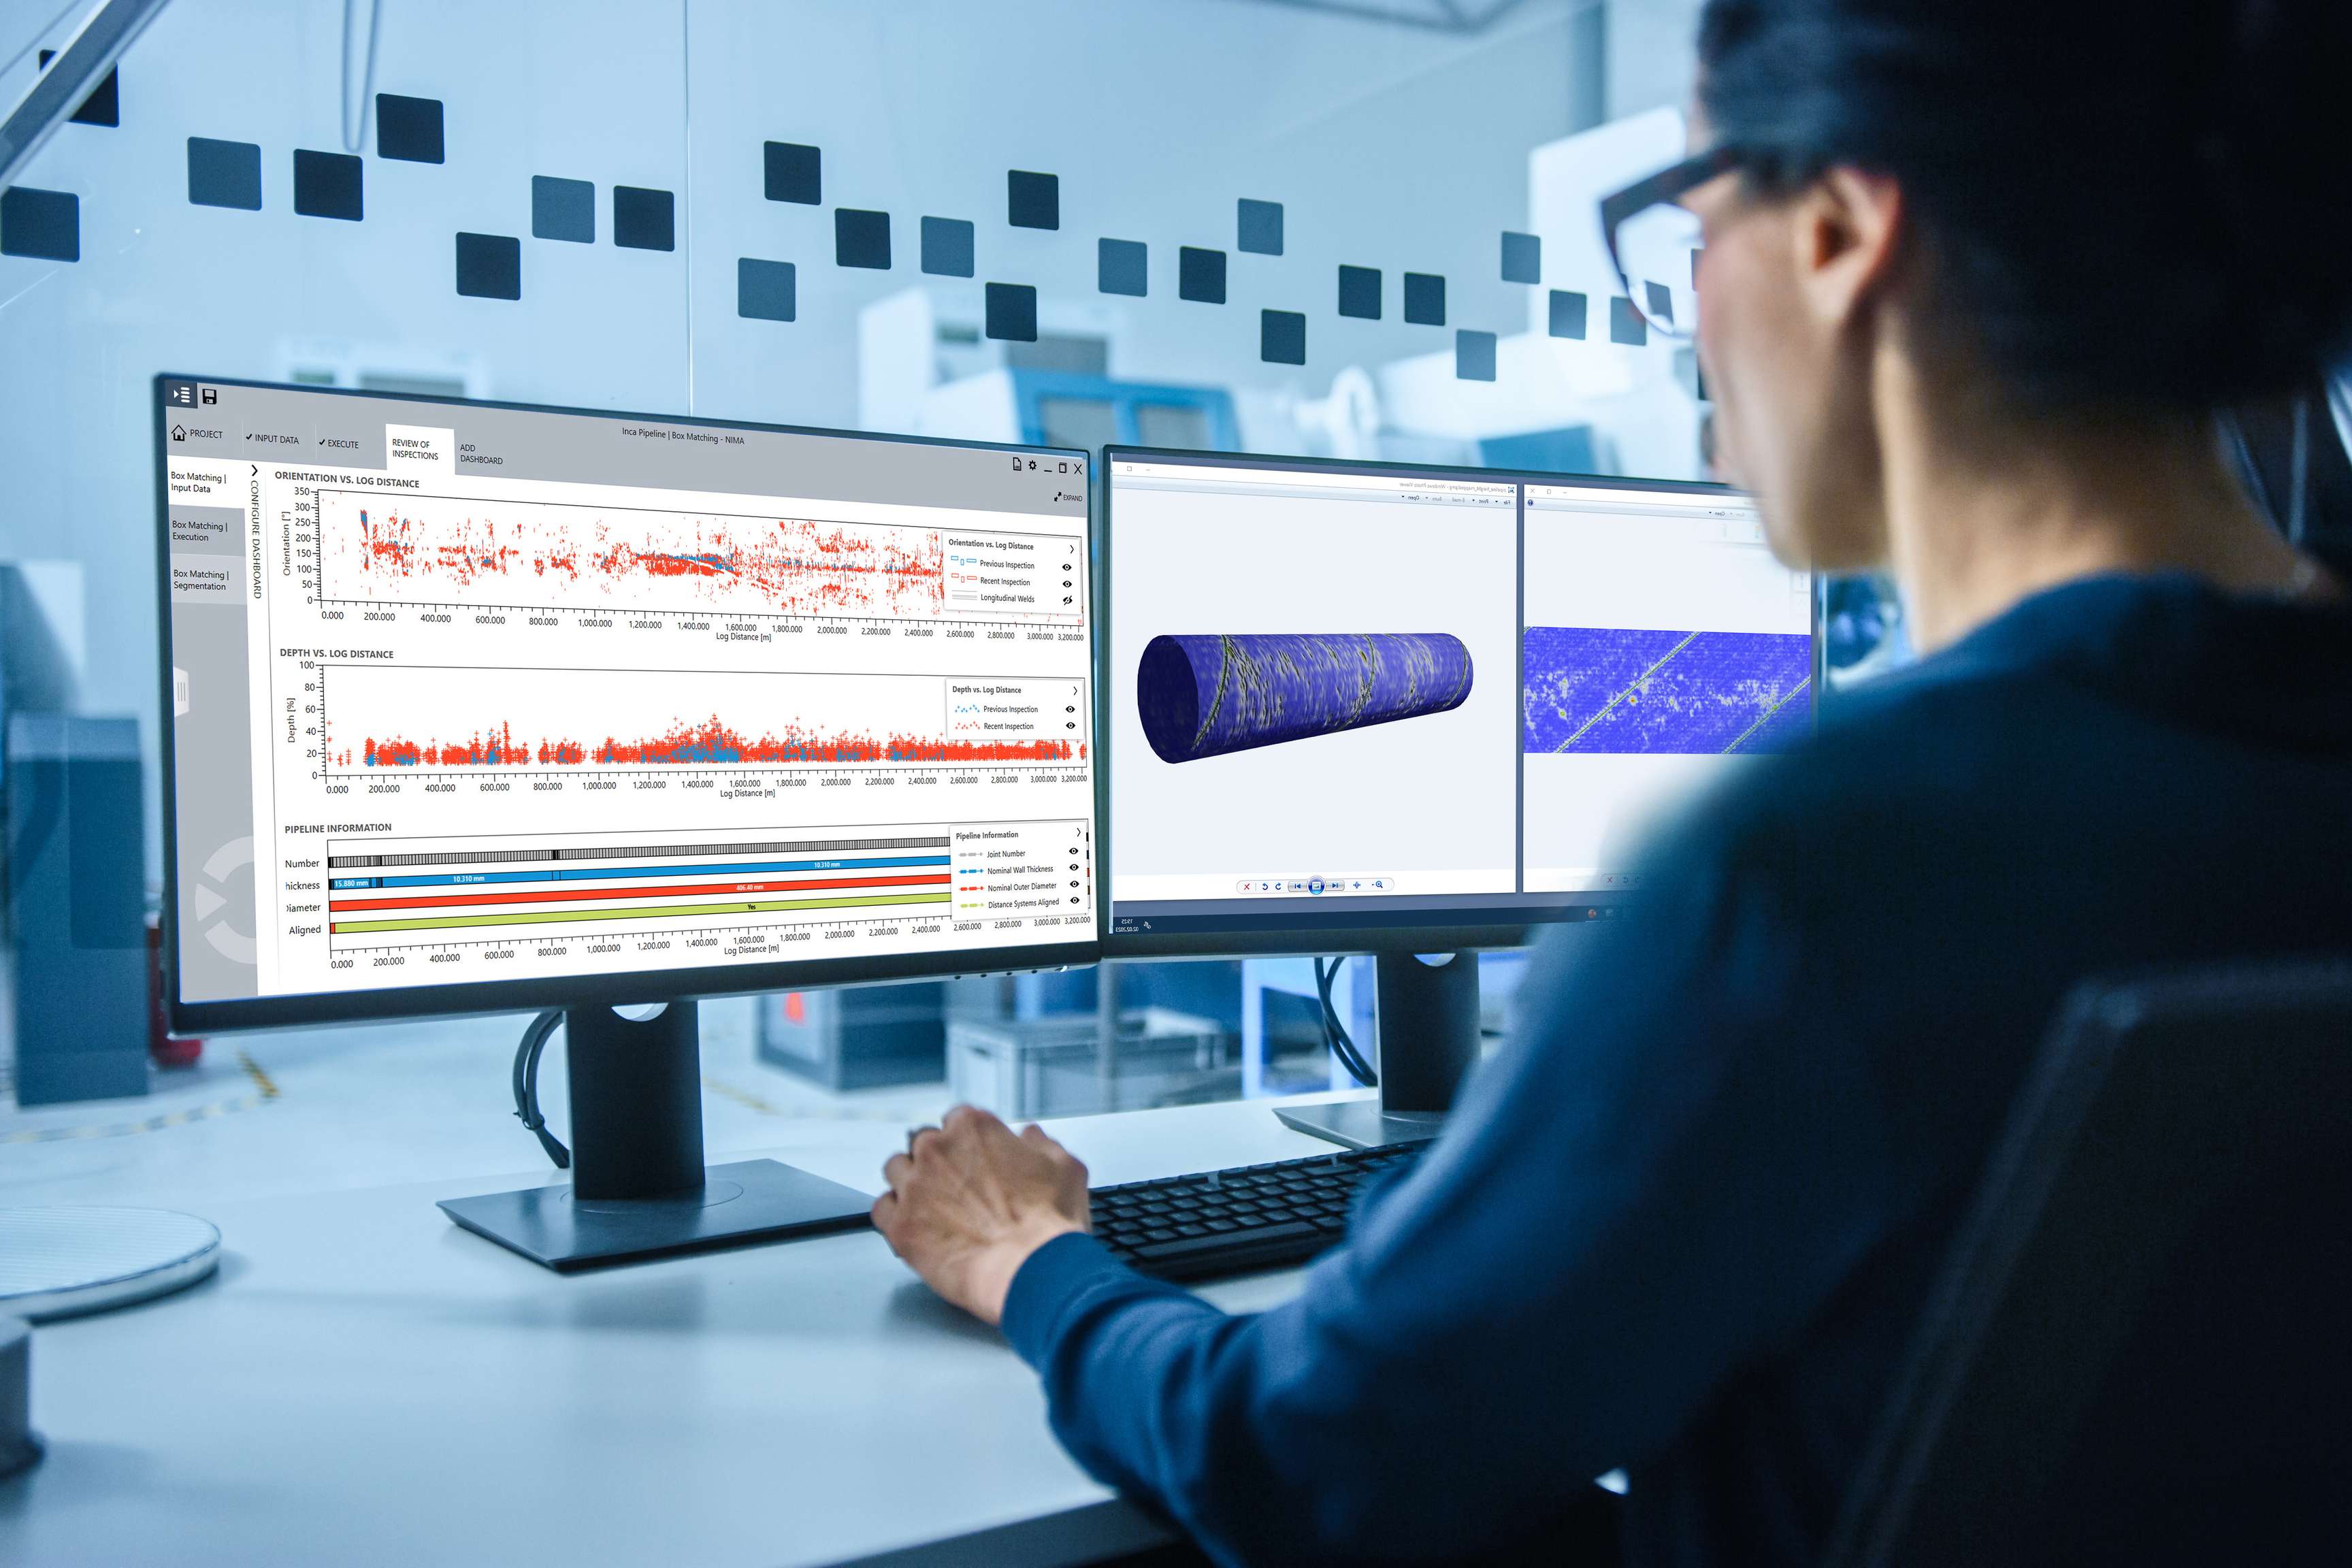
column 1358, row 229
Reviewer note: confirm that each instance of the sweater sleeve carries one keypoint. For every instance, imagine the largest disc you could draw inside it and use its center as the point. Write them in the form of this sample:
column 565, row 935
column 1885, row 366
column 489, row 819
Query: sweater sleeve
column 1661, row 1175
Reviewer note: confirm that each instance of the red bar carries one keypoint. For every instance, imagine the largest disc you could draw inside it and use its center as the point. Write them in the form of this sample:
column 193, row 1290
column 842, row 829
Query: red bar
column 697, row 889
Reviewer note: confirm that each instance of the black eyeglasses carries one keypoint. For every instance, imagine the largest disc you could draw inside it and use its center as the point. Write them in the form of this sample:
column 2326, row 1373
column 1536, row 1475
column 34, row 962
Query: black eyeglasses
column 1654, row 241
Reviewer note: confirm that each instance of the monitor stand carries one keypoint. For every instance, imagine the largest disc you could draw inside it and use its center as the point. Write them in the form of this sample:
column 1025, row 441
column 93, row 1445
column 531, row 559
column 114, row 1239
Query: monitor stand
column 638, row 1188
column 1429, row 1039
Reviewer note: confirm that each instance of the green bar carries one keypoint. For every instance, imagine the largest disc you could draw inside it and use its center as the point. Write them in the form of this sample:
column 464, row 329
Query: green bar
column 445, row 923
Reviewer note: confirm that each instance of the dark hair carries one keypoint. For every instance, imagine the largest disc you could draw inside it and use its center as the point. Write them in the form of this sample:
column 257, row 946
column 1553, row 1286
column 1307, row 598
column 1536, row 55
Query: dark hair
column 2123, row 204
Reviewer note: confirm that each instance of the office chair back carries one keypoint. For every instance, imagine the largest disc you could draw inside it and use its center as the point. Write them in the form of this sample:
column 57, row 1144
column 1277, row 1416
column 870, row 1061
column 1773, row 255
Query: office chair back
column 2141, row 1350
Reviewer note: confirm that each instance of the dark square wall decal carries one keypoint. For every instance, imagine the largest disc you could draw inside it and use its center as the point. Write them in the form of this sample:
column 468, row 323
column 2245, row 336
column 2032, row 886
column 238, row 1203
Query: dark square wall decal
column 1033, row 200
column 1568, row 312
column 223, row 173
column 563, row 209
column 1658, row 303
column 408, row 129
column 1625, row 323
column 1359, row 293
column 1259, row 226
column 1424, row 300
column 1123, row 266
column 1282, row 337
column 104, row 104
column 1522, row 257
column 947, row 247
column 46, row 225
column 1474, row 355
column 326, row 185
column 794, row 172
column 645, row 219
column 489, row 265
column 766, row 291
column 861, row 238
column 1013, row 313
column 1200, row 275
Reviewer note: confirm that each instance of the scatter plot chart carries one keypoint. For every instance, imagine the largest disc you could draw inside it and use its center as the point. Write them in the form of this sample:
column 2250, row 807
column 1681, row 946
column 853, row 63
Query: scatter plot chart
column 409, row 718
column 441, row 550
column 1594, row 690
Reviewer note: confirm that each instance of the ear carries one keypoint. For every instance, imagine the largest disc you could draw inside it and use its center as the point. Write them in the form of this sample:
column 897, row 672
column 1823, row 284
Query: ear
column 1846, row 229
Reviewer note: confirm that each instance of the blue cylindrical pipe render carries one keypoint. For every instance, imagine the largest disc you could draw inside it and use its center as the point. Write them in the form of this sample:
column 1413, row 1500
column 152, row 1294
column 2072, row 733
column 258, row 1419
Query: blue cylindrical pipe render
column 1204, row 696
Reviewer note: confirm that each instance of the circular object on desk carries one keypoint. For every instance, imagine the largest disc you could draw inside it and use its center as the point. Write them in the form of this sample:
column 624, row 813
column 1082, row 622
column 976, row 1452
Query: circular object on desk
column 63, row 1262
column 18, row 1447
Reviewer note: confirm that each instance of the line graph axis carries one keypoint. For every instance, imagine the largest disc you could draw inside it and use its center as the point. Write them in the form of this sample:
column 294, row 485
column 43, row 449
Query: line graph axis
column 1064, row 629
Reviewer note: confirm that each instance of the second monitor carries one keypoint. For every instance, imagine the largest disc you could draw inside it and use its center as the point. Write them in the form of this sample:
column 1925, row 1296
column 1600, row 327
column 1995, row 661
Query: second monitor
column 1403, row 709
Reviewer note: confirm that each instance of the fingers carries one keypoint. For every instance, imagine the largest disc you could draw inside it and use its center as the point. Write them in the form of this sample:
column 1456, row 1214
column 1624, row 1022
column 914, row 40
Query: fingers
column 1036, row 1137
column 885, row 1215
column 1043, row 1142
column 971, row 1121
column 962, row 1144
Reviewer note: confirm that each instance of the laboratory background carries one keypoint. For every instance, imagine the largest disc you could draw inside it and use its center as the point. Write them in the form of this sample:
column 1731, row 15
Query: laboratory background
column 1310, row 243
column 1359, row 231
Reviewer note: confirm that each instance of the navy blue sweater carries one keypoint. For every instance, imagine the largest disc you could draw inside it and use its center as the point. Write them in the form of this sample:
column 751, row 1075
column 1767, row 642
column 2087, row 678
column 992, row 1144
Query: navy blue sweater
column 1684, row 1221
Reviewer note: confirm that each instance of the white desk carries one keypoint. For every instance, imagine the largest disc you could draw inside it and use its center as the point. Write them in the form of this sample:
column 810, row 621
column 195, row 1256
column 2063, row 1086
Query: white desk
column 364, row 1382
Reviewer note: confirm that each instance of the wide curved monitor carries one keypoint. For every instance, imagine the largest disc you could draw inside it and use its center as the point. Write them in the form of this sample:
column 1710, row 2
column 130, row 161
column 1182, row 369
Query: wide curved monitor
column 1353, row 707
column 483, row 705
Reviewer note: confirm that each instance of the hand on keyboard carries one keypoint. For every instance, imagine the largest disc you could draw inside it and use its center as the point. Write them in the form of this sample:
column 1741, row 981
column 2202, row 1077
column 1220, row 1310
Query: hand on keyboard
column 971, row 1200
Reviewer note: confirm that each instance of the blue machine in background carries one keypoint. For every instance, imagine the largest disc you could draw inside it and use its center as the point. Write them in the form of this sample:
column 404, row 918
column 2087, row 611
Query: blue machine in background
column 1570, row 450
column 77, row 917
column 857, row 1036
column 1060, row 408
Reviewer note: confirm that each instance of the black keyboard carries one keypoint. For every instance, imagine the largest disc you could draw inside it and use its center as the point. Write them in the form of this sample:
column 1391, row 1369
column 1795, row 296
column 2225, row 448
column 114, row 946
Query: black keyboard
column 1241, row 1220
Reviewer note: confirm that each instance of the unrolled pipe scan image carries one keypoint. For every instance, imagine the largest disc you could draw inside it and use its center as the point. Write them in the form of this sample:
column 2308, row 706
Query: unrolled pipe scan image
column 1207, row 695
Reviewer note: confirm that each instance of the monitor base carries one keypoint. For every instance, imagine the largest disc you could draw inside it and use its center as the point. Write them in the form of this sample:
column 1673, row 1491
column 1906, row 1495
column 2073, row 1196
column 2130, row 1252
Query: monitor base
column 1362, row 1124
column 749, row 1201
column 1428, row 1040
column 638, row 1187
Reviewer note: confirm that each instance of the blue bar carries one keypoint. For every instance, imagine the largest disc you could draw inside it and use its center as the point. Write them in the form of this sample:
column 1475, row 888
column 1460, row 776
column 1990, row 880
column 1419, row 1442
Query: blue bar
column 737, row 869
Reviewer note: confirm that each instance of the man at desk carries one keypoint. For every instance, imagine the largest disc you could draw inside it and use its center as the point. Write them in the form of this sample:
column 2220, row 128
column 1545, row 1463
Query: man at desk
column 1975, row 278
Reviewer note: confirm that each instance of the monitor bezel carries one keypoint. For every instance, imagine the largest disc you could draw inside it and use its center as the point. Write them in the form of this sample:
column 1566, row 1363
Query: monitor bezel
column 1369, row 934
column 310, row 1008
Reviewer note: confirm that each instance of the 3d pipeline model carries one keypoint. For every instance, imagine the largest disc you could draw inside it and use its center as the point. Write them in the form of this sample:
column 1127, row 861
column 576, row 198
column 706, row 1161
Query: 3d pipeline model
column 1204, row 696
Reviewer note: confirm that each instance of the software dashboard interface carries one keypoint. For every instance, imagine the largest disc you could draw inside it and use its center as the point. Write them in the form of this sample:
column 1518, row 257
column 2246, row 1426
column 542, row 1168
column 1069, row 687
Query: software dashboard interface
column 1341, row 696
column 470, row 693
